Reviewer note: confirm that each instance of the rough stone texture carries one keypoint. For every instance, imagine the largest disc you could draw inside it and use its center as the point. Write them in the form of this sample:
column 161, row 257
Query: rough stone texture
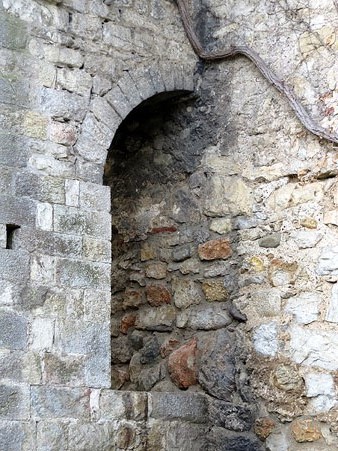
column 217, row 367
column 215, row 249
column 305, row 430
column 263, row 427
column 188, row 175
column 182, row 365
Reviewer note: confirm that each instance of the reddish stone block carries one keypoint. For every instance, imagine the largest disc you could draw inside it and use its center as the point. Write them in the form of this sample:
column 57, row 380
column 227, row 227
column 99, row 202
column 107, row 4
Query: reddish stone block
column 158, row 295
column 215, row 249
column 127, row 322
column 168, row 347
column 182, row 365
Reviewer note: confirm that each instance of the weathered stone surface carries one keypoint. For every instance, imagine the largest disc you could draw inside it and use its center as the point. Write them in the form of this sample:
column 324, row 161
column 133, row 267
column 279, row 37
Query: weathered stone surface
column 52, row 435
column 169, row 346
column 227, row 195
column 51, row 402
column 204, row 317
column 332, row 311
column 116, row 405
column 182, row 365
column 177, row 434
column 178, row 406
column 306, row 430
column 307, row 239
column 282, row 273
column 186, row 293
column 287, row 378
column 14, row 264
column 316, row 347
column 158, row 295
column 221, row 225
column 181, row 253
column 120, row 350
column 150, row 350
column 156, row 270
column 14, row 402
column 328, row 261
column 16, row 436
column 230, row 416
column 13, row 330
column 82, row 436
column 215, row 249
column 223, row 441
column 64, row 370
column 79, row 274
column 304, row 307
column 127, row 322
column 319, row 384
column 216, row 365
column 132, row 298
column 270, row 241
column 263, row 427
column 160, row 319
column 265, row 339
column 214, row 290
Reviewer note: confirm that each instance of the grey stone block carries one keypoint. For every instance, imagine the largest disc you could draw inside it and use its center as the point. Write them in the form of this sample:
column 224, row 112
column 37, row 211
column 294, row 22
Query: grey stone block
column 101, row 134
column 115, row 405
column 91, row 172
column 92, row 436
column 105, row 113
column 95, row 197
column 16, row 436
column 177, row 435
column 20, row 211
column 63, row 104
column 14, row 402
column 98, row 364
column 14, row 264
column 130, row 90
column 14, row 92
column 222, row 440
column 59, row 402
column 13, row 150
column 49, row 243
column 119, row 102
column 13, row 32
column 6, row 180
column 144, row 83
column 74, row 221
column 13, row 330
column 177, row 406
column 11, row 365
column 64, row 370
column 88, row 148
column 96, row 250
column 78, row 274
column 157, row 80
column 52, row 435
column 43, row 189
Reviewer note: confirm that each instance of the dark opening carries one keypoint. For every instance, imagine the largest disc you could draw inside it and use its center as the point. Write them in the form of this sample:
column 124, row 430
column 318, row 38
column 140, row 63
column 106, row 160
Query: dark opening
column 10, row 234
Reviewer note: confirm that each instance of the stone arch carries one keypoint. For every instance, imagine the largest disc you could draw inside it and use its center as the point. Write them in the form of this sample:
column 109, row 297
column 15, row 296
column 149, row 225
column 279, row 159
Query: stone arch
column 106, row 113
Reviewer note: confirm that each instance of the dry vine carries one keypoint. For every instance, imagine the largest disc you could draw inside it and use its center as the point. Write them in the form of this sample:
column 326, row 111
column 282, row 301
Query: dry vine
column 265, row 70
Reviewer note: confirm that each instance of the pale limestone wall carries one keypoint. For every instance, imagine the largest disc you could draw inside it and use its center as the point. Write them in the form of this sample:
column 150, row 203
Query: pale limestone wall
column 70, row 73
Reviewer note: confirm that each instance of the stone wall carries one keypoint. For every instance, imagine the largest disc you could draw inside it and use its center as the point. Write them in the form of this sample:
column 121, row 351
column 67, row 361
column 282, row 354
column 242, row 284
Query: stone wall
column 224, row 214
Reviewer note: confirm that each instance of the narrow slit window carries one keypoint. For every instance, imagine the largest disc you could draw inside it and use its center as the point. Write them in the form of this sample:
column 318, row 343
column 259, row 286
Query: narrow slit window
column 10, row 234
